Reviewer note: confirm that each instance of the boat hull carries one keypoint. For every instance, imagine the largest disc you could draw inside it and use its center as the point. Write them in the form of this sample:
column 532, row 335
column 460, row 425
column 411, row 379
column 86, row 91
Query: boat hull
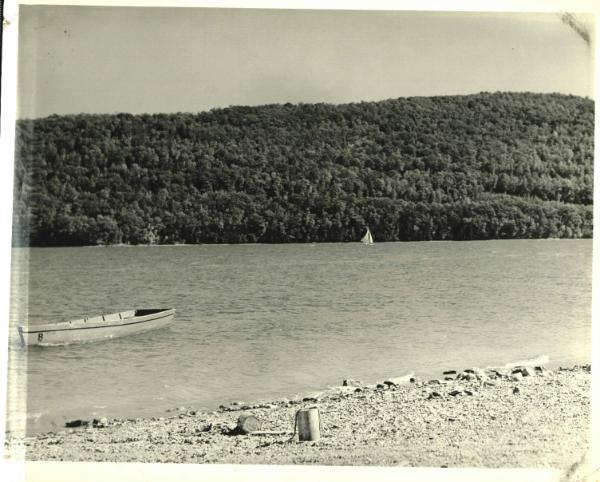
column 97, row 328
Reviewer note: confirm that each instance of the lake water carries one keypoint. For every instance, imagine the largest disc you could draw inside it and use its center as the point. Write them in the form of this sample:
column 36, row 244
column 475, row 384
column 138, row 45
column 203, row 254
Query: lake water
column 257, row 322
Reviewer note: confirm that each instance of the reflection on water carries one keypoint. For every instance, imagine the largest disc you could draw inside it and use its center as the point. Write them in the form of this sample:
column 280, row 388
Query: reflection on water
column 262, row 321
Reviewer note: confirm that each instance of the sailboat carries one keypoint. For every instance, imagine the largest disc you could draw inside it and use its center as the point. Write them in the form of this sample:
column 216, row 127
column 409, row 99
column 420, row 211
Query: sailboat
column 367, row 238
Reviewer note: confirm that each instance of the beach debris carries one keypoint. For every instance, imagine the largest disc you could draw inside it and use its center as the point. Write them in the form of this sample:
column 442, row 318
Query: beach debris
column 516, row 377
column 454, row 393
column 434, row 395
column 307, row 424
column 381, row 386
column 77, row 423
column 349, row 382
column 449, row 372
column 434, row 382
column 100, row 422
column 493, row 373
column 524, row 371
column 246, row 424
column 269, row 432
column 205, row 428
column 516, row 391
column 236, row 408
column 478, row 373
column 448, row 379
column 395, row 381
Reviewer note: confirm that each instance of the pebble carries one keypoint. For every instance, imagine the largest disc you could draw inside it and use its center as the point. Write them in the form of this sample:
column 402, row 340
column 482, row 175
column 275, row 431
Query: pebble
column 349, row 382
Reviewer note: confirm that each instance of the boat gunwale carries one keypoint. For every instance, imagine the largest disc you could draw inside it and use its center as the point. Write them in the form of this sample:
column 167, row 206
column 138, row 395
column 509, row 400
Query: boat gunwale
column 53, row 327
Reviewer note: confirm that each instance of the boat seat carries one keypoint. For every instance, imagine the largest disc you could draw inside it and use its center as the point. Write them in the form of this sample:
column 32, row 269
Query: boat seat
column 112, row 317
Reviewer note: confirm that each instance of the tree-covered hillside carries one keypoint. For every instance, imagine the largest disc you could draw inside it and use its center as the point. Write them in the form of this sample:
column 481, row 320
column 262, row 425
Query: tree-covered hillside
column 502, row 165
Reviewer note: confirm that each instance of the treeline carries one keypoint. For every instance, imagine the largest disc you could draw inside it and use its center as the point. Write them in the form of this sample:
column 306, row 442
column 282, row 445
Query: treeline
column 484, row 166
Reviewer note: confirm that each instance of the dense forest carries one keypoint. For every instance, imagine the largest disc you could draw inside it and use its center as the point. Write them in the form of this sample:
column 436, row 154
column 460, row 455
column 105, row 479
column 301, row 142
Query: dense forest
column 491, row 165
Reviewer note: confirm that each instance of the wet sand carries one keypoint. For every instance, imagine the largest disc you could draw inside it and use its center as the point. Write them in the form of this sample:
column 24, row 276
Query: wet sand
column 496, row 419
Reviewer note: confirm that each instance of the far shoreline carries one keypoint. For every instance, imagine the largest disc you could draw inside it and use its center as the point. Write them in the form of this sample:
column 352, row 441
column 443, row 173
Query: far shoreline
column 295, row 243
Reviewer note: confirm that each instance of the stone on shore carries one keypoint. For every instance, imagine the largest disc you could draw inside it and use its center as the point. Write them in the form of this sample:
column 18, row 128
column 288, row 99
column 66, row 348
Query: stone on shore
column 246, row 424
column 478, row 372
column 349, row 382
column 100, row 423
column 77, row 423
column 466, row 376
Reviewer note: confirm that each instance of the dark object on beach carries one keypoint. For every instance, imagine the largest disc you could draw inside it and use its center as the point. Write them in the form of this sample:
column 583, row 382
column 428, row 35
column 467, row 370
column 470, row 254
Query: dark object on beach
column 449, row 372
column 100, row 422
column 434, row 395
column 307, row 424
column 516, row 391
column 246, row 424
column 206, row 428
column 525, row 371
column 77, row 423
column 270, row 432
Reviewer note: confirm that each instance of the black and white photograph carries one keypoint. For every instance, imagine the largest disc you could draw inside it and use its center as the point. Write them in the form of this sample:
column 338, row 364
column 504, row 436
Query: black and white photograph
column 301, row 236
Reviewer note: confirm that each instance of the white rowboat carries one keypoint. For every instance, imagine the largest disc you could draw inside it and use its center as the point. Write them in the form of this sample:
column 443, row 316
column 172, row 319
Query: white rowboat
column 96, row 328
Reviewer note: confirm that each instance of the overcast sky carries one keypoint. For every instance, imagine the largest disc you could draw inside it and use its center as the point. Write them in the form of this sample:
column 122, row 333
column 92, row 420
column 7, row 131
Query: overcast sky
column 111, row 59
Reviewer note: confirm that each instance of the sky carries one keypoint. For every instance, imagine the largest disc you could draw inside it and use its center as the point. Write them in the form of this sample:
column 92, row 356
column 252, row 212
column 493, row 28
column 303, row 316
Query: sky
column 148, row 60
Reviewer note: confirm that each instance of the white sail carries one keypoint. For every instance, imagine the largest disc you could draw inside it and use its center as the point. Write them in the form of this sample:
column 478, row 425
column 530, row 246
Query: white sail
column 367, row 238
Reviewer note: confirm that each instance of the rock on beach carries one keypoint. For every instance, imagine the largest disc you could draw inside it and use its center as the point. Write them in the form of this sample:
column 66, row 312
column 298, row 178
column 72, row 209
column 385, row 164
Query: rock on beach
column 506, row 420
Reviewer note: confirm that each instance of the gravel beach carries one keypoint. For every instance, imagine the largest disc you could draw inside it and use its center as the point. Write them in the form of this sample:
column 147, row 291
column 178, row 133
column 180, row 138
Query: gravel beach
column 520, row 417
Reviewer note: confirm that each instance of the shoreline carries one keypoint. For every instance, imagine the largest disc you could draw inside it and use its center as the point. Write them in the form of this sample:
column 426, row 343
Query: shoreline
column 498, row 418
column 258, row 243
